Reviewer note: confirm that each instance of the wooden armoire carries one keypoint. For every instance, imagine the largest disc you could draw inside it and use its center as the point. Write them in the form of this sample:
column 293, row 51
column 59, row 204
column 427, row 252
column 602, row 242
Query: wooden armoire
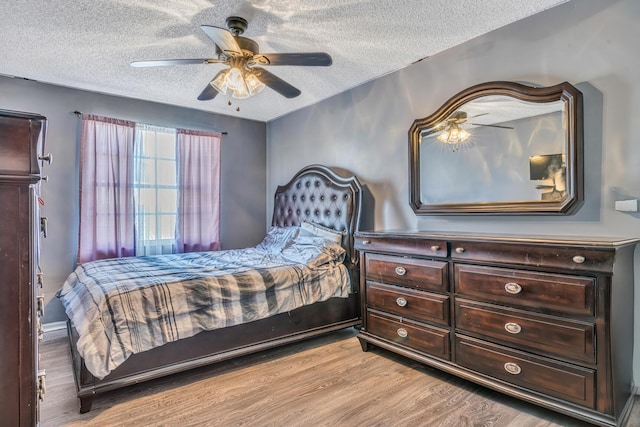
column 21, row 306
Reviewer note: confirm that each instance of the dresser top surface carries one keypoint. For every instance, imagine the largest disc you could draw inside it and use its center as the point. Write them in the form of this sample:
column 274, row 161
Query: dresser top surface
column 498, row 237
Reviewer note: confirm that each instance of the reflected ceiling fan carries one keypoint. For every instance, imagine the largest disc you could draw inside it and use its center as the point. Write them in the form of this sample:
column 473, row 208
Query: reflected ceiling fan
column 245, row 76
column 454, row 133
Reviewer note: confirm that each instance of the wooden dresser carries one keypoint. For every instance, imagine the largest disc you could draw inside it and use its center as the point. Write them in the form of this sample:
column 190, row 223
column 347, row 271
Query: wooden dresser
column 547, row 320
column 21, row 306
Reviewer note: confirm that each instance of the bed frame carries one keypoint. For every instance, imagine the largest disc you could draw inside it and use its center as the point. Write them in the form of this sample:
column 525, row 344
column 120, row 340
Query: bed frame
column 316, row 193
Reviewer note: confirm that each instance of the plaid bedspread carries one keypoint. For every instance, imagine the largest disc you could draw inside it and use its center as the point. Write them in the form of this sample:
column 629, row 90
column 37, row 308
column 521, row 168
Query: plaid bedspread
column 124, row 306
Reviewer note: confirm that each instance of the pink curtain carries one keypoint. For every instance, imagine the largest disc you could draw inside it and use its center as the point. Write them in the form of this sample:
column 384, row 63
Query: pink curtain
column 106, row 190
column 198, row 164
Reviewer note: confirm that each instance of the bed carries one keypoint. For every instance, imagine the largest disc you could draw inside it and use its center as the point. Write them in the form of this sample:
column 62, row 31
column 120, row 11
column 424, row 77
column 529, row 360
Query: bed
column 317, row 202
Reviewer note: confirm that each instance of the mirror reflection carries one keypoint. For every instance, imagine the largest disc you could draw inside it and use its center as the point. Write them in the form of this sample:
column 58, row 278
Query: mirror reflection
column 497, row 152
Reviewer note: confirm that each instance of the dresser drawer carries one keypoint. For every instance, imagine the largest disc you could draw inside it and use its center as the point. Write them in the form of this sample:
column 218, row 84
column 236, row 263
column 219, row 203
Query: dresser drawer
column 418, row 336
column 568, row 294
column 409, row 303
column 538, row 333
column 411, row 272
column 402, row 244
column 561, row 380
column 550, row 256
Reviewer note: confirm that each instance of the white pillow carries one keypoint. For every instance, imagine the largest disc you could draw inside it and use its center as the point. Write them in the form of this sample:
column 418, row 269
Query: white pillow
column 321, row 231
column 314, row 251
column 278, row 238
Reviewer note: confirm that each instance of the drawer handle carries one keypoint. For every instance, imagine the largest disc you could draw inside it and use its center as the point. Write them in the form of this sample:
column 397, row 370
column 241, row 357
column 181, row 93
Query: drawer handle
column 435, row 248
column 401, row 302
column 40, row 331
column 513, row 288
column 43, row 226
column 401, row 271
column 512, row 368
column 578, row 259
column 512, row 328
column 46, row 158
column 40, row 305
column 402, row 333
column 42, row 385
column 459, row 250
column 366, row 242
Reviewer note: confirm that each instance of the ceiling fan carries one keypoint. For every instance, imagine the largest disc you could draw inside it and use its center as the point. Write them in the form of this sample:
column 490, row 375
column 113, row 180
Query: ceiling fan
column 454, row 133
column 245, row 76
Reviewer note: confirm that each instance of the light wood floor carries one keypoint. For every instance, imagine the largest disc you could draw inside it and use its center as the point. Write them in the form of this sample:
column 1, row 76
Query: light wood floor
column 326, row 381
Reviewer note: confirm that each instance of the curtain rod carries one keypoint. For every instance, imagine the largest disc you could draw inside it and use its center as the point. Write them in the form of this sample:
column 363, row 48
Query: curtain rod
column 79, row 113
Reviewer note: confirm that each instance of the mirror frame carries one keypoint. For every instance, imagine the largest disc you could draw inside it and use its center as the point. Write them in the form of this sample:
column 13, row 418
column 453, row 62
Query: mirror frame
column 573, row 115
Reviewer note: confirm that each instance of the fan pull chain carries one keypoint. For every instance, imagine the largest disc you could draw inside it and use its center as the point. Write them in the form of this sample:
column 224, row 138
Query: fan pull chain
column 237, row 108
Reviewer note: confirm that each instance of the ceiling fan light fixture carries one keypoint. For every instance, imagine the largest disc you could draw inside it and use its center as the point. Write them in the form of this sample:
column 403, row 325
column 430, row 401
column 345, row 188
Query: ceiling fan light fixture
column 235, row 80
column 454, row 134
column 220, row 82
column 232, row 80
column 241, row 93
column 254, row 85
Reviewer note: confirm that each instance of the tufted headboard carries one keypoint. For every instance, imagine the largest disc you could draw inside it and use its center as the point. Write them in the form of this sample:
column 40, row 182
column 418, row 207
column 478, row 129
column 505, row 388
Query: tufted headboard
column 318, row 194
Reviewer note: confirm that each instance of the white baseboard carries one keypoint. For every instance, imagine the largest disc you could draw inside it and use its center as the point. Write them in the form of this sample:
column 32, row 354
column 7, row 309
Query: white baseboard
column 54, row 326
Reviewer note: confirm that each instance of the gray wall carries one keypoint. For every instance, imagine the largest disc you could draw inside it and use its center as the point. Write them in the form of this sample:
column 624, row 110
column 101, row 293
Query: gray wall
column 243, row 168
column 589, row 43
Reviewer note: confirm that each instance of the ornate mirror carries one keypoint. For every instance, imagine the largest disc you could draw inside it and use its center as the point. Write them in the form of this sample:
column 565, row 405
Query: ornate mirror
column 499, row 147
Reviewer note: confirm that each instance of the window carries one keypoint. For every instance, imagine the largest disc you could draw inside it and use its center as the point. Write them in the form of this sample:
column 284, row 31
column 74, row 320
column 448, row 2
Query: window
column 155, row 190
column 147, row 190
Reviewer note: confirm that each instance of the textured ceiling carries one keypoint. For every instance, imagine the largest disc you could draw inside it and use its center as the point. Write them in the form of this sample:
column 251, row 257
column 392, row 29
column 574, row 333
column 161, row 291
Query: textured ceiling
column 88, row 44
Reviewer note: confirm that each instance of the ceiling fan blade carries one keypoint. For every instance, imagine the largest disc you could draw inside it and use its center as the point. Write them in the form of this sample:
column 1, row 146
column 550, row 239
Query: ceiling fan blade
column 223, row 39
column 312, row 59
column 276, row 83
column 209, row 92
column 165, row 62
column 492, row 126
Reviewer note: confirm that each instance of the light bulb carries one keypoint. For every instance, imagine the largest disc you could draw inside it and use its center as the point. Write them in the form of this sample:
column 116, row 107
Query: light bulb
column 254, row 85
column 234, row 79
column 444, row 136
column 454, row 135
column 219, row 83
column 240, row 93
